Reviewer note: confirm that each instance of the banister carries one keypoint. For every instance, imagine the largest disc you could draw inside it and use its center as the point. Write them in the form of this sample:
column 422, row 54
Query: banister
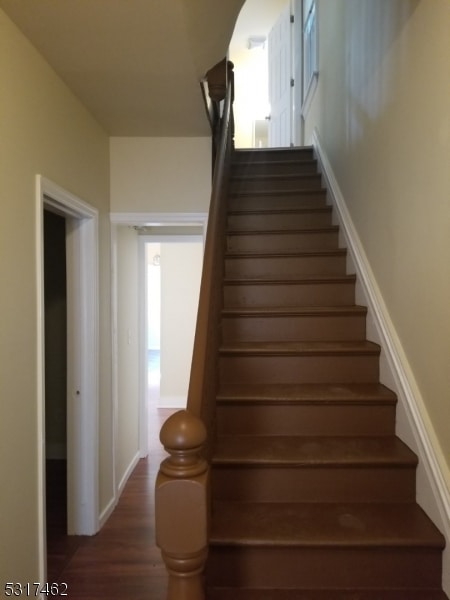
column 182, row 486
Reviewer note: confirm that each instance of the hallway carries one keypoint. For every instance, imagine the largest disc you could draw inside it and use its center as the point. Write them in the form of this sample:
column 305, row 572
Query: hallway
column 121, row 561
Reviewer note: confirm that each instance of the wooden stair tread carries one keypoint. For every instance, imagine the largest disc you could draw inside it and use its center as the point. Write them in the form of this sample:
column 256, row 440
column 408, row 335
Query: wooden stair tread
column 300, row 348
column 362, row 525
column 306, row 393
column 251, row 254
column 307, row 231
column 300, row 193
column 311, row 311
column 311, row 451
column 279, row 161
column 324, row 594
column 274, row 151
column 311, row 487
column 274, row 176
column 304, row 280
column 280, row 211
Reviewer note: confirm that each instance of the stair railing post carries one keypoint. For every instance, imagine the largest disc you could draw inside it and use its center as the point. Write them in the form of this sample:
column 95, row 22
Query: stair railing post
column 181, row 506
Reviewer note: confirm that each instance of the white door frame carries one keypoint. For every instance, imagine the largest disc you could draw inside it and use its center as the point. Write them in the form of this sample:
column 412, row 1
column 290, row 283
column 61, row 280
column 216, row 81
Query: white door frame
column 280, row 77
column 140, row 220
column 82, row 359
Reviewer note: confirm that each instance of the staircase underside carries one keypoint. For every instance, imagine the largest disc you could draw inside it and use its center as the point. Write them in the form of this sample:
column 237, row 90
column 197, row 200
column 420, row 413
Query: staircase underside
column 313, row 495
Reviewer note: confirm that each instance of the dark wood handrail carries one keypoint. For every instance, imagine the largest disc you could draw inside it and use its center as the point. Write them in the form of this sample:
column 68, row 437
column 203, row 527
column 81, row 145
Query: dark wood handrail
column 182, row 487
column 210, row 299
column 217, row 81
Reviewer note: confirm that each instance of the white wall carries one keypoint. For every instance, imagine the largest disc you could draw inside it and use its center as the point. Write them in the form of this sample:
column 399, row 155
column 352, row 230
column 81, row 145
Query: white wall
column 43, row 130
column 127, row 434
column 181, row 267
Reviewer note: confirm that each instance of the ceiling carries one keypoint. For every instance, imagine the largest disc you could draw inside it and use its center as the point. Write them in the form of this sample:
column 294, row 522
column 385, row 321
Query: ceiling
column 135, row 64
column 256, row 19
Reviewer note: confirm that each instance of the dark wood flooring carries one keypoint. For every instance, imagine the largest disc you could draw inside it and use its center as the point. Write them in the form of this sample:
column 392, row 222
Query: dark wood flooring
column 121, row 561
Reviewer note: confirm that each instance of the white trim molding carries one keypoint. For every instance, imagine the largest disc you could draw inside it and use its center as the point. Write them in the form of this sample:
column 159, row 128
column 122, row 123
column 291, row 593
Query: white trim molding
column 82, row 361
column 158, row 218
column 413, row 424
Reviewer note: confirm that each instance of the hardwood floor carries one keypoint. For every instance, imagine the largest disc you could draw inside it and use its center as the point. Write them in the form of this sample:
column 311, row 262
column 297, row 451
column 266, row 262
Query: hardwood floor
column 121, row 561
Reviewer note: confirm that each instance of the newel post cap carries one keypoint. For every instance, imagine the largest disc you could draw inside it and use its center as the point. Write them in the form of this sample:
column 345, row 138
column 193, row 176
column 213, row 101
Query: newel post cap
column 183, row 436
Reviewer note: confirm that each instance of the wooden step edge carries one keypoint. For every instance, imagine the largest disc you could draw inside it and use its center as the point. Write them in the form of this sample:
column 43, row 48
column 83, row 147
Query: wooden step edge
column 301, row 349
column 230, row 593
column 324, row 525
column 274, row 150
column 313, row 450
column 223, row 400
column 347, row 544
column 278, row 161
column 303, row 210
column 275, row 191
column 279, row 193
column 248, row 402
column 300, row 311
column 282, row 232
column 312, row 280
column 338, row 252
column 265, row 463
column 308, row 394
column 274, row 177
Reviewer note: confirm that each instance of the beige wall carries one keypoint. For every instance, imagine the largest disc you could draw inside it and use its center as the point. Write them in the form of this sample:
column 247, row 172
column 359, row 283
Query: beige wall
column 160, row 174
column 43, row 129
column 127, row 441
column 382, row 111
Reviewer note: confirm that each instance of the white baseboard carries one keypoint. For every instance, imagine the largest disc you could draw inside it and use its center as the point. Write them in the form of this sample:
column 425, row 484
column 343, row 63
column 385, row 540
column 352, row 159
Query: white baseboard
column 413, row 424
column 109, row 509
column 128, row 472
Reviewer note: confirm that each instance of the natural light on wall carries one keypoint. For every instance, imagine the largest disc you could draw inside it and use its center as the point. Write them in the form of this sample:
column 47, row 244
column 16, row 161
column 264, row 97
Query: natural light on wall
column 249, row 53
column 251, row 103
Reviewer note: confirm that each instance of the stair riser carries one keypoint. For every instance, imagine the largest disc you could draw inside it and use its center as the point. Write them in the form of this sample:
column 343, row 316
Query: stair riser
column 311, row 199
column 227, row 593
column 294, row 328
column 361, row 420
column 296, row 484
column 281, row 168
column 321, row 568
column 284, row 267
column 285, row 242
column 262, row 155
column 259, row 184
column 279, row 221
column 271, row 295
column 298, row 369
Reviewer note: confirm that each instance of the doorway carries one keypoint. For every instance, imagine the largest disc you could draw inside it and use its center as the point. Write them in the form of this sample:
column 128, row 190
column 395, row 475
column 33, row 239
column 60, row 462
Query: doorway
column 55, row 308
column 173, row 266
column 266, row 49
column 134, row 403
column 74, row 226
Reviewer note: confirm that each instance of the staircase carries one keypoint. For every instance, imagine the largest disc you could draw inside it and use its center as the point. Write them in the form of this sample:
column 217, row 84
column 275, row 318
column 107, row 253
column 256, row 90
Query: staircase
column 313, row 495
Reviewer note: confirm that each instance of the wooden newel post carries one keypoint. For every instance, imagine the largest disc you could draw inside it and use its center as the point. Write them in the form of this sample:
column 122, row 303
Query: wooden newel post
column 181, row 506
